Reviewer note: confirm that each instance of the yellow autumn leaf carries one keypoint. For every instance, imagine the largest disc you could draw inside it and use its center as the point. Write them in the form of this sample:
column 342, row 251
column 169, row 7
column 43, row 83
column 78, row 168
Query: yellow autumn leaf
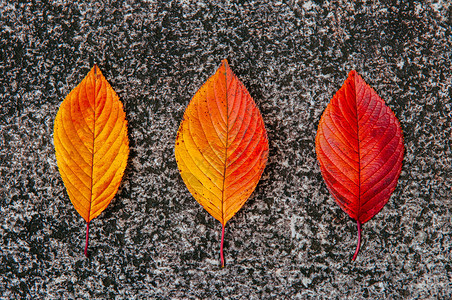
column 221, row 146
column 91, row 145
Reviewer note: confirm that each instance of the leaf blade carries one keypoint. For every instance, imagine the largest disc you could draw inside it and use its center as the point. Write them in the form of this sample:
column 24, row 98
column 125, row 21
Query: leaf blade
column 212, row 138
column 91, row 144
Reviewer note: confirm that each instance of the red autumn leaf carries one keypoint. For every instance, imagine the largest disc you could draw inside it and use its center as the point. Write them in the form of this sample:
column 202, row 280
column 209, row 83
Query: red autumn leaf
column 359, row 146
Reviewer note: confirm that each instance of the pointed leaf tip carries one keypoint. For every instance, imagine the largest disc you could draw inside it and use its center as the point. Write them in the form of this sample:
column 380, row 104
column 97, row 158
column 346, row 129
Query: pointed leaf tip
column 359, row 146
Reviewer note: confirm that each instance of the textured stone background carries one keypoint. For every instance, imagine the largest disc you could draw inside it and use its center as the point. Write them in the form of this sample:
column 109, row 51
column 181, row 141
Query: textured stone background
column 290, row 240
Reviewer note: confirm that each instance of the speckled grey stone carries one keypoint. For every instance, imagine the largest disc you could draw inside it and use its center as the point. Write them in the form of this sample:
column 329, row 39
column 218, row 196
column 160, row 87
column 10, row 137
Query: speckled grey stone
column 290, row 240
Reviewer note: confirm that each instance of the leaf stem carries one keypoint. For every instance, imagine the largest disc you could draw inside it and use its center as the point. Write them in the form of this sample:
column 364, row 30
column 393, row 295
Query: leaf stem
column 359, row 240
column 221, row 247
column 87, row 235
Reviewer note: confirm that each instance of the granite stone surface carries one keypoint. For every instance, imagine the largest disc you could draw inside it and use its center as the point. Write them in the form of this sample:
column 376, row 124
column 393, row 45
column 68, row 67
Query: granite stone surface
column 290, row 240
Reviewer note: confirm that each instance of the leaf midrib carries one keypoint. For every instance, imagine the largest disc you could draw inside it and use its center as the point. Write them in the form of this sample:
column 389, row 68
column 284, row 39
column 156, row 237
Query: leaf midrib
column 93, row 143
column 359, row 151
column 226, row 143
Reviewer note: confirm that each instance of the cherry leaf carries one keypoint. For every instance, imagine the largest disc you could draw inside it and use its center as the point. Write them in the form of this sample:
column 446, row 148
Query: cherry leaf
column 221, row 146
column 359, row 147
column 91, row 145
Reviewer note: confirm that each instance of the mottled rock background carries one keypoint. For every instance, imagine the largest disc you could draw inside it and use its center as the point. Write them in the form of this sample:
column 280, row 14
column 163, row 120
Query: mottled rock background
column 290, row 240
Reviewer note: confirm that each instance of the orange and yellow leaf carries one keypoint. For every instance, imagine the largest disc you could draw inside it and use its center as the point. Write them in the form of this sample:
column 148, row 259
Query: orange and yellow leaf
column 221, row 146
column 91, row 144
